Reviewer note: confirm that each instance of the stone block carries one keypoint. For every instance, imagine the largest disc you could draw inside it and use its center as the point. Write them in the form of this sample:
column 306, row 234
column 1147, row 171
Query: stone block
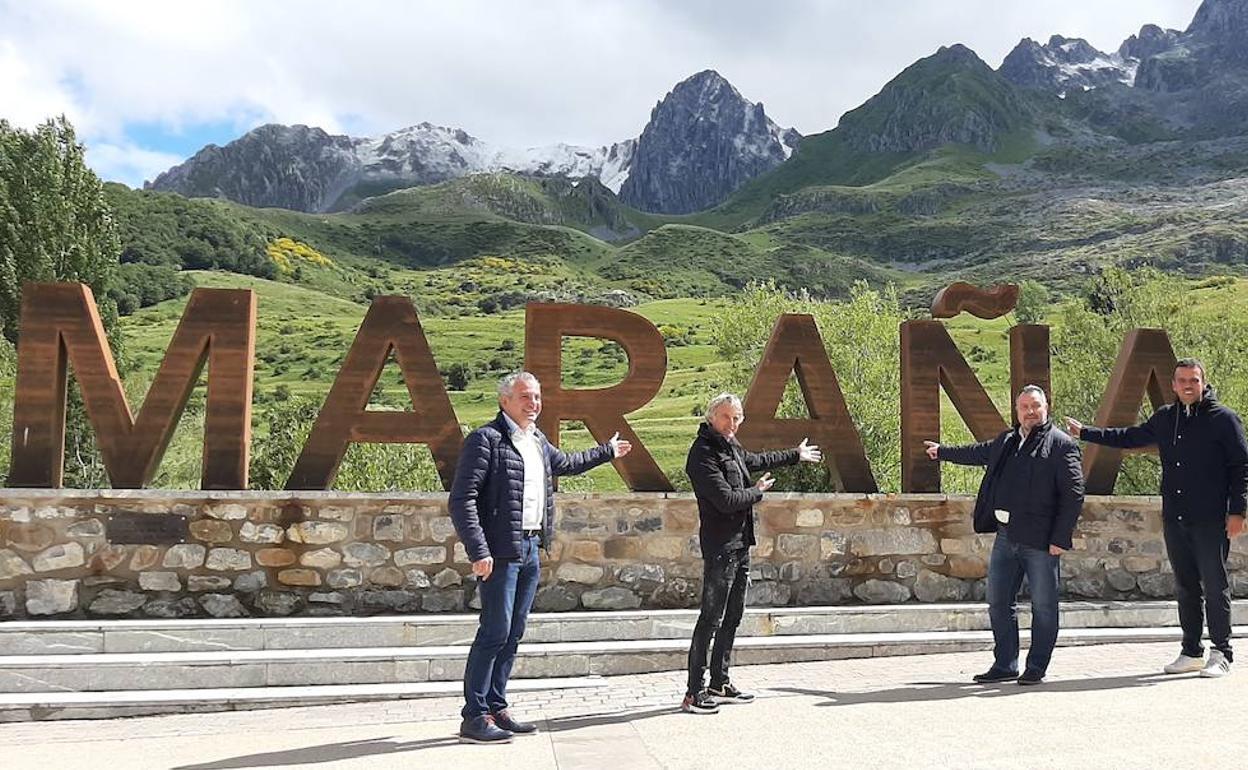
column 51, row 597
column 59, row 557
column 228, row 560
column 971, row 567
column 460, row 556
column 635, row 575
column 1158, row 585
column 108, row 558
column 427, row 554
column 447, row 578
column 159, row 581
column 335, row 513
column 365, row 554
column 145, row 557
column 279, row 603
column 114, row 602
column 798, row 546
column 824, row 592
column 317, row 532
column 388, row 528
column 611, row 598
column 906, row 570
column 227, row 511
column 1139, row 563
column 12, row 565
column 885, row 542
column 451, row 600
column 275, row 557
column 8, row 604
column 417, row 578
column 934, row 587
column 625, row 548
column 441, row 529
column 171, row 608
column 398, row 600
column 250, row 582
column 29, row 537
column 680, row 520
column 809, row 517
column 586, row 550
column 1086, row 587
column 344, row 578
column 953, row 545
column 299, row 577
column 832, row 544
column 665, row 547
column 184, row 556
column 260, row 533
column 572, row 572
column 223, row 606
column 556, row 598
column 1120, row 580
column 391, row 577
column 212, row 531
column 207, row 583
column 321, row 558
column 882, row 592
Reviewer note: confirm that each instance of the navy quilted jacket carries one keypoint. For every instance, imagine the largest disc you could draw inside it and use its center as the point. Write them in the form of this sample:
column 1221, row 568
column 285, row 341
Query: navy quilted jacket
column 486, row 498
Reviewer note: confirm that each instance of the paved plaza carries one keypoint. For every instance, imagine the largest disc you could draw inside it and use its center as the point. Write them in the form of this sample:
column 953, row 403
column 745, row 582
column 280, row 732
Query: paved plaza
column 1104, row 707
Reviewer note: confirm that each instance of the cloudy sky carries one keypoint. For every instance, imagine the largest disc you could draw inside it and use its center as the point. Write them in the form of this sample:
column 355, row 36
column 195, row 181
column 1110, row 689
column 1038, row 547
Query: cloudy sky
column 149, row 83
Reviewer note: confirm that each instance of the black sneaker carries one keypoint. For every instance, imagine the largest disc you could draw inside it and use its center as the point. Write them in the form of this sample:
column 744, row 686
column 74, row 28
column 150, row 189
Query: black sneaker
column 730, row 694
column 994, row 675
column 503, row 719
column 1031, row 677
column 702, row 703
column 482, row 730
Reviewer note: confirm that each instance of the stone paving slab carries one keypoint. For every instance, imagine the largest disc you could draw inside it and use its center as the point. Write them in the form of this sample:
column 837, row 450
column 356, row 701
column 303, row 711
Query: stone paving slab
column 1104, row 707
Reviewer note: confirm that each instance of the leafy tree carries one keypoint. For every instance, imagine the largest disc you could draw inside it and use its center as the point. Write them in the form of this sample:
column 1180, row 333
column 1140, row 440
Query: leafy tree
column 1033, row 302
column 54, row 223
column 56, row 226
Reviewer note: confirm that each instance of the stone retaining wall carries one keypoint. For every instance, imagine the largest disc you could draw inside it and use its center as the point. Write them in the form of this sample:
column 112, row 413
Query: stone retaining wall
column 326, row 553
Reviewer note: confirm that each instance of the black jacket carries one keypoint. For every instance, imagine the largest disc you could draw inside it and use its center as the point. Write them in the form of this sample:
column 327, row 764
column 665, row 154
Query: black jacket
column 720, row 474
column 1054, row 494
column 487, row 498
column 1204, row 458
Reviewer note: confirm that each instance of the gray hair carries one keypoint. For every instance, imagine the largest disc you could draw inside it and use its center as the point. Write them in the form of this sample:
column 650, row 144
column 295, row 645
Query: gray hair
column 1034, row 390
column 718, row 401
column 508, row 383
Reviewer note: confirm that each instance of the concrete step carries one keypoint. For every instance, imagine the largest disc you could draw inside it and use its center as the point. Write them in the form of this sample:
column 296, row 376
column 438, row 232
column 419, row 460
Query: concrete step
column 27, row 707
column 152, row 636
column 395, row 665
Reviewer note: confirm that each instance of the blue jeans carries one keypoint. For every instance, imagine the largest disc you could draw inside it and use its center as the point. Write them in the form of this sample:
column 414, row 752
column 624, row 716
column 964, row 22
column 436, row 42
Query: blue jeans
column 505, row 601
column 1007, row 566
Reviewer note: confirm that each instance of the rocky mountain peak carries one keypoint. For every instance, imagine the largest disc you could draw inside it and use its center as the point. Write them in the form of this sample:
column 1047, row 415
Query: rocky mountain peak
column 1064, row 64
column 949, row 97
column 703, row 141
column 1150, row 41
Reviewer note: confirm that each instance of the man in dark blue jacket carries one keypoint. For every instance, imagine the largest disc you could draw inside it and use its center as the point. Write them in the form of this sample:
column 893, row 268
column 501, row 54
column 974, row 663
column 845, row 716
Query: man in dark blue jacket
column 502, row 504
column 1204, row 494
column 1031, row 496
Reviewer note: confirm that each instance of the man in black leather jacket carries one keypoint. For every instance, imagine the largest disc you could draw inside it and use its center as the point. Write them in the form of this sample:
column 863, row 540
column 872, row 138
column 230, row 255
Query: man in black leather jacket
column 719, row 469
column 1031, row 496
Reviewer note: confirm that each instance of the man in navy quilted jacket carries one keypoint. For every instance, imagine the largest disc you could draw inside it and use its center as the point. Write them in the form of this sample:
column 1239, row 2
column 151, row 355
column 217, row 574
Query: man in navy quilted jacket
column 502, row 504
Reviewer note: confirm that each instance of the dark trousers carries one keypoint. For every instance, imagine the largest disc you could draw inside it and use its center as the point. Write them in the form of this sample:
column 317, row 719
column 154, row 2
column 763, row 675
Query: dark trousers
column 505, row 601
column 1007, row 566
column 725, row 576
column 1198, row 556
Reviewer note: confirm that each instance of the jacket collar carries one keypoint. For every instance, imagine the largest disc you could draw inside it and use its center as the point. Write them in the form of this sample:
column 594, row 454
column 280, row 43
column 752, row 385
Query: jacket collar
column 710, row 434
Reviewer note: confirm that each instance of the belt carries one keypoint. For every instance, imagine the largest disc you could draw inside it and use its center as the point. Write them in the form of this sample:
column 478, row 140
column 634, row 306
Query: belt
column 531, row 532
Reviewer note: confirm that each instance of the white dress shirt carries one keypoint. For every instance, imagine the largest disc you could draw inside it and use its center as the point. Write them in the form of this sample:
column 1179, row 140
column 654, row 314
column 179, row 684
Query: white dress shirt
column 529, row 446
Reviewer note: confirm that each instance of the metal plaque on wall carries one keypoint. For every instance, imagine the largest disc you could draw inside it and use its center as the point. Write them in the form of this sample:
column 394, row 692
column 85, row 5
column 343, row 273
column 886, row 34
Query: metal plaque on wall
column 128, row 528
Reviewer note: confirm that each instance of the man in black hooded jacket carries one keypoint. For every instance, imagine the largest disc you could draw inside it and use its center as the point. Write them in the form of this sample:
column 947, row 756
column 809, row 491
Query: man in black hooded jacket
column 1204, row 493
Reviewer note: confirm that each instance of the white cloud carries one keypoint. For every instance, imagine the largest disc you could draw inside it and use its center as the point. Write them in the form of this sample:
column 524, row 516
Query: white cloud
column 520, row 73
column 127, row 163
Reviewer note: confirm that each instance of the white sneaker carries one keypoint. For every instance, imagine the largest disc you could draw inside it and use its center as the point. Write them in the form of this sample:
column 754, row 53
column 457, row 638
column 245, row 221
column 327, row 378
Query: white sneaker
column 1217, row 667
column 1186, row 664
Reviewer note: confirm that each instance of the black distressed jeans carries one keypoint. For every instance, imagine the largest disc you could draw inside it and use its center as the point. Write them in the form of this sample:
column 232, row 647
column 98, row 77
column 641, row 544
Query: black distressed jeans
column 725, row 576
column 1198, row 554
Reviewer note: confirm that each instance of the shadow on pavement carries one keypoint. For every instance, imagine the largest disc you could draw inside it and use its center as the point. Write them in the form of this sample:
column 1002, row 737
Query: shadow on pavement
column 936, row 691
column 326, row 752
